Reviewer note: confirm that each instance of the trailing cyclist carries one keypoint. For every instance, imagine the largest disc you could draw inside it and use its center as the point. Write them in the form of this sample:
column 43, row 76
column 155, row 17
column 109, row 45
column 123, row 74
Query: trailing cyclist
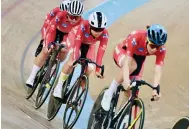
column 84, row 38
column 58, row 30
column 52, row 14
column 130, row 54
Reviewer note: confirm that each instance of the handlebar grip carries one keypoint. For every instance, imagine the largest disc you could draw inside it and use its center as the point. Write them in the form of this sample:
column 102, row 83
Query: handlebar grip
column 49, row 45
column 158, row 89
column 102, row 70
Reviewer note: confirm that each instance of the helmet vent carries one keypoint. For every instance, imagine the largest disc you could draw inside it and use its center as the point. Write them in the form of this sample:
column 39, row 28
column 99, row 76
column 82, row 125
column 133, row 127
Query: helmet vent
column 149, row 35
column 153, row 35
column 92, row 22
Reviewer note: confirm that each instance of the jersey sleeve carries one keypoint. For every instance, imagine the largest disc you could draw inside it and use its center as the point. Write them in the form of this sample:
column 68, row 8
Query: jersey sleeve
column 48, row 19
column 160, row 56
column 51, row 34
column 130, row 42
column 52, row 14
column 77, row 41
column 101, row 49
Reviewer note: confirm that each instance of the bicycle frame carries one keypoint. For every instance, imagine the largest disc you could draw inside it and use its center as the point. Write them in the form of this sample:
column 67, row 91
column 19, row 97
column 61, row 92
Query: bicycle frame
column 131, row 99
column 53, row 57
column 76, row 92
column 112, row 119
column 84, row 65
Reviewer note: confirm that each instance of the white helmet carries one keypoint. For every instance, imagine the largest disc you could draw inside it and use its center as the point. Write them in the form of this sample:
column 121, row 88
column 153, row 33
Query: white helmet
column 76, row 8
column 65, row 5
column 98, row 20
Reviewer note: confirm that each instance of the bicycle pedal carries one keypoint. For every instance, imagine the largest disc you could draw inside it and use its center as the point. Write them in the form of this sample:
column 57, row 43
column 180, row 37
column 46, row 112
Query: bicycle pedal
column 65, row 98
column 57, row 99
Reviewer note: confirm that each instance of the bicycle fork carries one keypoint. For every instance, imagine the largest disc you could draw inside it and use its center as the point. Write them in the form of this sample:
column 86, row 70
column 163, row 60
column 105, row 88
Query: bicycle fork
column 135, row 93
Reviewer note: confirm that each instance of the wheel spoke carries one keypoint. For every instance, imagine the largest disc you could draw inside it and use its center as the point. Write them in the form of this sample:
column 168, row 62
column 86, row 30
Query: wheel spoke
column 80, row 95
column 70, row 116
column 74, row 105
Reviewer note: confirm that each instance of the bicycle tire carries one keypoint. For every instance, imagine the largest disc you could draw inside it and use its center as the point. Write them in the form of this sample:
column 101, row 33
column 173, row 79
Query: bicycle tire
column 138, row 102
column 75, row 87
column 96, row 107
column 54, row 105
column 35, row 84
column 182, row 123
column 40, row 103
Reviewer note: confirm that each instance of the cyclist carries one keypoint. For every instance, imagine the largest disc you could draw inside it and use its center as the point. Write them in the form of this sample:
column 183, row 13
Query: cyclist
column 84, row 38
column 130, row 55
column 63, row 6
column 58, row 29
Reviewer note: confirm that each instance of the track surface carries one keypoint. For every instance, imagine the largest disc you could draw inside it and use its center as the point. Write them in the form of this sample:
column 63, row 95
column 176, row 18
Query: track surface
column 21, row 20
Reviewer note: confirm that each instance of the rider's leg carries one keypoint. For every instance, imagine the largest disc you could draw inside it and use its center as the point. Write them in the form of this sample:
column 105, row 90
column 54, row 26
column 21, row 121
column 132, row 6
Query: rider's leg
column 63, row 54
column 135, row 69
column 115, row 83
column 43, row 33
column 38, row 63
column 66, row 70
column 119, row 79
column 90, row 54
column 39, row 48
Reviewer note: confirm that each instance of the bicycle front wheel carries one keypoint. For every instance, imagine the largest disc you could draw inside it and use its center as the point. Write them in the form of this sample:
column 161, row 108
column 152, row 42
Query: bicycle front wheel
column 45, row 88
column 97, row 113
column 182, row 123
column 39, row 76
column 136, row 112
column 54, row 106
column 75, row 102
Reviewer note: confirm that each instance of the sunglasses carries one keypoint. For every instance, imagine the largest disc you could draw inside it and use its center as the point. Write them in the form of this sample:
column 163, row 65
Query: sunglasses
column 152, row 45
column 71, row 17
column 96, row 29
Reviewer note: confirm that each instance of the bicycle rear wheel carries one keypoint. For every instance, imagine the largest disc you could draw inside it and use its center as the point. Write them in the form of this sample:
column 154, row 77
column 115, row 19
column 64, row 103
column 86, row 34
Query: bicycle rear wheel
column 182, row 123
column 75, row 102
column 45, row 88
column 97, row 113
column 137, row 113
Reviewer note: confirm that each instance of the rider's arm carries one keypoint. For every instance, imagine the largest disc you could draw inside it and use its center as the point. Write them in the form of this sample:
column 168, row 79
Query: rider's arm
column 101, row 50
column 126, row 65
column 157, row 75
column 77, row 43
column 131, row 39
column 48, row 19
column 51, row 34
column 159, row 64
